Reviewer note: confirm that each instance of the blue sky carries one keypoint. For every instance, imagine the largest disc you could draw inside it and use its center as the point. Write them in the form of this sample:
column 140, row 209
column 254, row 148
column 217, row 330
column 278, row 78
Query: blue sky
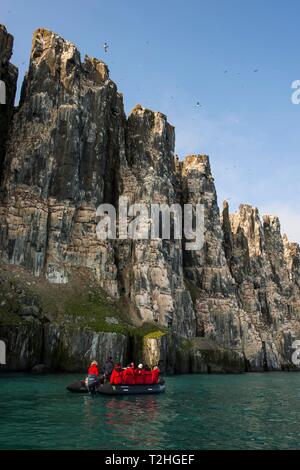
column 170, row 54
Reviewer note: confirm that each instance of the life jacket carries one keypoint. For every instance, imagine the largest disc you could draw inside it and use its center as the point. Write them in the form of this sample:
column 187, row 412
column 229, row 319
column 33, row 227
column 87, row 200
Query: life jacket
column 128, row 376
column 148, row 377
column 155, row 376
column 116, row 377
column 139, row 376
column 93, row 370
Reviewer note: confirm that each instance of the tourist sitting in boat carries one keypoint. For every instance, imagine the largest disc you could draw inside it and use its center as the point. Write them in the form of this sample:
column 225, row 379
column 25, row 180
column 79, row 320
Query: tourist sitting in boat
column 91, row 381
column 155, row 375
column 147, row 375
column 128, row 375
column 116, row 377
column 139, row 375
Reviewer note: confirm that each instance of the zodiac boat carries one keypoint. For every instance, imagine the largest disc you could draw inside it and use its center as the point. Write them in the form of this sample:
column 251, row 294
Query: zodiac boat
column 107, row 389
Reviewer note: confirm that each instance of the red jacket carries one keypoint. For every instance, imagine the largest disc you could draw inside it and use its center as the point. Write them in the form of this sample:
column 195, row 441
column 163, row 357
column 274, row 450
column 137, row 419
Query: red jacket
column 139, row 376
column 148, row 377
column 116, row 377
column 128, row 376
column 93, row 370
column 155, row 376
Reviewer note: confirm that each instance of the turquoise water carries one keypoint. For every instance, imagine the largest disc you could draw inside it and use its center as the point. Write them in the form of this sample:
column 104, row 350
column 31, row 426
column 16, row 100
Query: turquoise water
column 251, row 411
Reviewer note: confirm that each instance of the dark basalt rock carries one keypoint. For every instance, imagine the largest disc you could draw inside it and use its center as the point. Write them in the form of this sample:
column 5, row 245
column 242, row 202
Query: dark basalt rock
column 40, row 369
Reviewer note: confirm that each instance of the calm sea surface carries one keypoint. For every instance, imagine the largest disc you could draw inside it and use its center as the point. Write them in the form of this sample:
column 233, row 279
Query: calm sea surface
column 251, row 411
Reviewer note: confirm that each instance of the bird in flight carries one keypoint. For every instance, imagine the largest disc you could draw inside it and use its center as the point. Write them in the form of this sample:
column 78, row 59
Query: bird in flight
column 105, row 47
column 198, row 105
column 256, row 70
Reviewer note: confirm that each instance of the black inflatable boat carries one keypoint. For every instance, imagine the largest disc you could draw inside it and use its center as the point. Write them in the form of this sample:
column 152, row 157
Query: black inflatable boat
column 108, row 389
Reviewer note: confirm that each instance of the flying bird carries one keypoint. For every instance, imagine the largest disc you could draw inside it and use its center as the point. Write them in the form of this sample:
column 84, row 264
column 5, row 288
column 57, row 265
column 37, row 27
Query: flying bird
column 198, row 105
column 105, row 47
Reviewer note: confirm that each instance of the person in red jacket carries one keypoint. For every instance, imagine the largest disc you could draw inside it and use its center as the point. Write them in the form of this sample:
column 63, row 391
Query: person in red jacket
column 128, row 375
column 155, row 375
column 93, row 369
column 147, row 376
column 91, row 381
column 139, row 375
column 116, row 377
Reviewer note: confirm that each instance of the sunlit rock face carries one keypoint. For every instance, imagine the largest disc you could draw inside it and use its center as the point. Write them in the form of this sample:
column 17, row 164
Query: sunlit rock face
column 62, row 161
column 218, row 313
column 152, row 270
column 257, row 255
column 66, row 149
column 206, row 268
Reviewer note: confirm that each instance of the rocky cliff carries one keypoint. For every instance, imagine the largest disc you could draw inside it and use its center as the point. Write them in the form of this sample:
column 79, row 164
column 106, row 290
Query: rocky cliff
column 8, row 77
column 67, row 295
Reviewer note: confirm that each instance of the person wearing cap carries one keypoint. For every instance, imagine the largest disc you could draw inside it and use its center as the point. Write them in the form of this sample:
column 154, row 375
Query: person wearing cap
column 92, row 378
column 116, row 377
column 139, row 375
column 93, row 369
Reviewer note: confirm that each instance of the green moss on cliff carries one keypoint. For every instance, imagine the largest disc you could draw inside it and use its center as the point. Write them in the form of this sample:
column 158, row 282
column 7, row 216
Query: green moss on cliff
column 155, row 334
column 80, row 304
column 91, row 309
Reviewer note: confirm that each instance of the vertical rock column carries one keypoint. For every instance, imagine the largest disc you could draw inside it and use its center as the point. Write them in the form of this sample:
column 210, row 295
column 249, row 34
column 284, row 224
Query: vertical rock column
column 8, row 86
column 62, row 161
column 220, row 315
column 207, row 267
column 206, row 270
column 257, row 261
column 151, row 270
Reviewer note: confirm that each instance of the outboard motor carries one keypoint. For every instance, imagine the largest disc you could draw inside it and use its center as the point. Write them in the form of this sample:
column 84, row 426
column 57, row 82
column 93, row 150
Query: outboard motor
column 91, row 383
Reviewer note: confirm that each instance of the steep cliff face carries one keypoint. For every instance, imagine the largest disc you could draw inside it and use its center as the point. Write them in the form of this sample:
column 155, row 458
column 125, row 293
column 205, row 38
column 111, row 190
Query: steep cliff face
column 257, row 259
column 229, row 305
column 218, row 313
column 8, row 77
column 152, row 270
column 206, row 268
column 62, row 161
